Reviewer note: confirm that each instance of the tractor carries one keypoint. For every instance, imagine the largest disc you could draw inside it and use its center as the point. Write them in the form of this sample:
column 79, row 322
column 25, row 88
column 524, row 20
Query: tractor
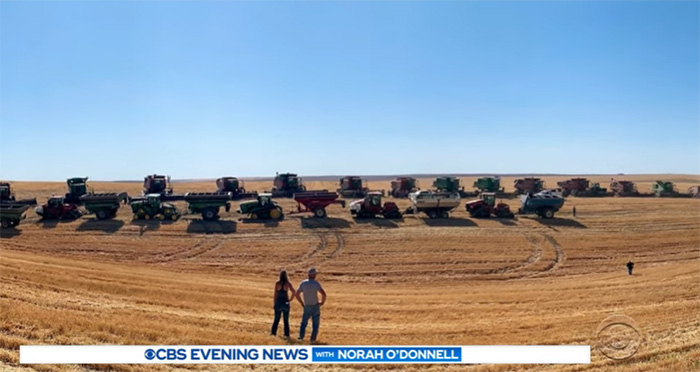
column 57, row 207
column 486, row 206
column 152, row 207
column 262, row 208
column 234, row 186
column 371, row 207
column 77, row 187
column 7, row 196
column 352, row 187
column 286, row 184
column 157, row 184
column 402, row 186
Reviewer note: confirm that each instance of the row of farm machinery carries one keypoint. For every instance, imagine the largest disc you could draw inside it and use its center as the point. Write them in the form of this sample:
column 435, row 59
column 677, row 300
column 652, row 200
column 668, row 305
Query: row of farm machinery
column 157, row 196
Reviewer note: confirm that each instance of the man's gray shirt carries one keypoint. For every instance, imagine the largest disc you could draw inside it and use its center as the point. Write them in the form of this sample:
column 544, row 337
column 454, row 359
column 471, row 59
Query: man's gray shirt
column 309, row 289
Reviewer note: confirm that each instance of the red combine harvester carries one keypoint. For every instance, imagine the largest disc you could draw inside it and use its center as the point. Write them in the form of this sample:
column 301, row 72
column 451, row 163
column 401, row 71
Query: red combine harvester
column 57, row 207
column 371, row 206
column 623, row 188
column 528, row 185
column 402, row 186
column 316, row 202
column 581, row 187
column 486, row 206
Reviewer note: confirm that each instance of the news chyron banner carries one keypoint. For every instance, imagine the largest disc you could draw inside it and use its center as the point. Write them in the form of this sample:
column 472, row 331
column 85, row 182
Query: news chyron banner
column 142, row 354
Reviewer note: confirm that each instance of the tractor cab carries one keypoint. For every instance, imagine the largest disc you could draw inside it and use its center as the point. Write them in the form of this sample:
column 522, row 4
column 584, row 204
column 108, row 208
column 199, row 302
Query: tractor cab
column 265, row 199
column 55, row 201
column 374, row 199
column 153, row 200
column 6, row 191
column 489, row 198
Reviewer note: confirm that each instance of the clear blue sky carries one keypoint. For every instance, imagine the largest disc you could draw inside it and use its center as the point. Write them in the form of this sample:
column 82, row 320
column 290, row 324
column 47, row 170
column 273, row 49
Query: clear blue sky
column 117, row 90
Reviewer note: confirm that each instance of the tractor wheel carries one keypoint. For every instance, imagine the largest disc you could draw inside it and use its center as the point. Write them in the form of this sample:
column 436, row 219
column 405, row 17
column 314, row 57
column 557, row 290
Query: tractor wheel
column 444, row 214
column 146, row 216
column 548, row 214
column 6, row 223
column 160, row 217
column 209, row 214
column 275, row 213
column 253, row 216
column 101, row 214
column 320, row 213
column 432, row 214
column 135, row 217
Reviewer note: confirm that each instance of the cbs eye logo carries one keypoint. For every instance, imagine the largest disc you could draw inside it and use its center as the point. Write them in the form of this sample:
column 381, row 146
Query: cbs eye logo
column 149, row 354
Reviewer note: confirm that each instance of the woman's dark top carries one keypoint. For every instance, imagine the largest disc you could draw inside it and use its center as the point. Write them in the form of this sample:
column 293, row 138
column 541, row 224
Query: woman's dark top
column 282, row 298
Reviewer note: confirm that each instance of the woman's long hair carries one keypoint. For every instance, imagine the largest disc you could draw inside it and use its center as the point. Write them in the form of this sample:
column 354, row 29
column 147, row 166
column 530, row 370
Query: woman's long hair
column 283, row 278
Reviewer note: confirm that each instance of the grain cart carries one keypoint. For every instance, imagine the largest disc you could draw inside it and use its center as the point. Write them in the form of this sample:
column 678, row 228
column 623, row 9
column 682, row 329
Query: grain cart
column 208, row 203
column 352, row 187
column 286, row 184
column 623, row 188
column 77, row 187
column 262, row 208
column 153, row 207
column 234, row 186
column 434, row 204
column 371, row 207
column 581, row 187
column 57, row 207
column 694, row 191
column 664, row 189
column 402, row 186
column 12, row 214
column 7, row 196
column 316, row 202
column 528, row 185
column 486, row 206
column 104, row 205
column 543, row 204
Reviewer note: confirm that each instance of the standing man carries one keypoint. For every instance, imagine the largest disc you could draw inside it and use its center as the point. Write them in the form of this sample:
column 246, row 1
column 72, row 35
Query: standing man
column 574, row 211
column 630, row 266
column 312, row 307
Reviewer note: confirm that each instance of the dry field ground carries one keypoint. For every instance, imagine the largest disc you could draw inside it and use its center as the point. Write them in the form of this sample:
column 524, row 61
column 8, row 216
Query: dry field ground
column 415, row 281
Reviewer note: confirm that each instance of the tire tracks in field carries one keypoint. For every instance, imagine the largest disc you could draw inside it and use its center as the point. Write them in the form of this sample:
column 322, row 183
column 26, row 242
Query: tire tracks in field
column 201, row 247
column 316, row 254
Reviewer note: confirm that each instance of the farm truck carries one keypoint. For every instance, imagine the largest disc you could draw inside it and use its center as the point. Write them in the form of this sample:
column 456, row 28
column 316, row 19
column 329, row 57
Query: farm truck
column 153, row 207
column 402, row 186
column 12, row 214
column 286, row 184
column 235, row 187
column 371, row 206
column 352, row 187
column 7, row 196
column 262, row 208
column 486, row 206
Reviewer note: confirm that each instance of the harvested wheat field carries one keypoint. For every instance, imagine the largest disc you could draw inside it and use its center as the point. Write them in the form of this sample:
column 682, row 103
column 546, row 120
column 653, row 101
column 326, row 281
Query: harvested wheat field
column 414, row 281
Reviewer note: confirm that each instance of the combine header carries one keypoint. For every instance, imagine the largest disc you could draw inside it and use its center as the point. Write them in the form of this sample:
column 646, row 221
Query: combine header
column 234, row 186
column 352, row 187
column 316, row 202
column 7, row 196
column 158, row 184
column 623, row 188
column 286, row 184
column 402, row 186
column 581, row 187
column 528, row 185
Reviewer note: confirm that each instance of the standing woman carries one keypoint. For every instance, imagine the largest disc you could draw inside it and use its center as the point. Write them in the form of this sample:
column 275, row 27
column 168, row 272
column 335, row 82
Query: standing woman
column 281, row 303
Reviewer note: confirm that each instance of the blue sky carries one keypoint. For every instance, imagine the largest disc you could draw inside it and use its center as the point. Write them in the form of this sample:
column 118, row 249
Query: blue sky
column 118, row 90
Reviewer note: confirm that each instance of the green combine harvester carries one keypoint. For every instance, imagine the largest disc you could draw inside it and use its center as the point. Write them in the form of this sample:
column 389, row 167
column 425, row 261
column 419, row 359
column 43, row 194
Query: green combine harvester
column 152, row 207
column 450, row 185
column 261, row 209
column 667, row 189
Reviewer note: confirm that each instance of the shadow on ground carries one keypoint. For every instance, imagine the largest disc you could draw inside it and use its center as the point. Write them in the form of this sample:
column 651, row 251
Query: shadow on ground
column 211, row 227
column 9, row 233
column 328, row 222
column 506, row 221
column 106, row 226
column 51, row 223
column 449, row 222
column 379, row 222
column 266, row 223
column 560, row 222
column 150, row 225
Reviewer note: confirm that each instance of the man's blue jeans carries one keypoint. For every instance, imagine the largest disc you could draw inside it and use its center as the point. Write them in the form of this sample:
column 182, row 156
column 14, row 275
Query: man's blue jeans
column 313, row 312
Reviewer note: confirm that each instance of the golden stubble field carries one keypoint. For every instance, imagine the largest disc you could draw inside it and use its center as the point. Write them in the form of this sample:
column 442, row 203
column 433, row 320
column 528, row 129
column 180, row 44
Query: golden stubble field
column 416, row 281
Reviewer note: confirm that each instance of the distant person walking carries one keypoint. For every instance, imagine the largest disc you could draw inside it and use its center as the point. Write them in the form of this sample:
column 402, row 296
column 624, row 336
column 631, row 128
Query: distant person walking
column 281, row 303
column 310, row 289
column 630, row 266
column 574, row 211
